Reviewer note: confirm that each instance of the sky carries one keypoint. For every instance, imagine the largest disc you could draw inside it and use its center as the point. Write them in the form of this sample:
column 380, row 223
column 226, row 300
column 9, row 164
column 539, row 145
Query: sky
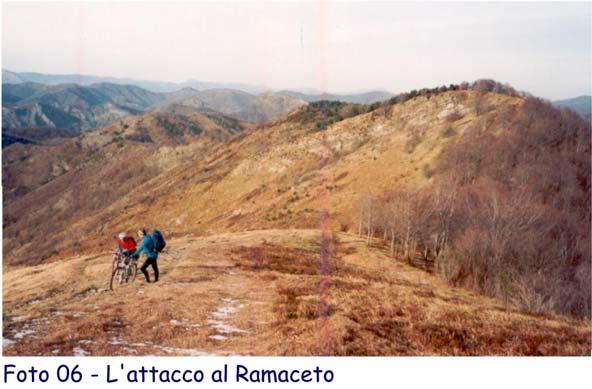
column 542, row 48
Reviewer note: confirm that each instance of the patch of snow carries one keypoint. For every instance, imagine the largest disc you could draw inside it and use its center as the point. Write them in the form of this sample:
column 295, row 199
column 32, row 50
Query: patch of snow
column 56, row 351
column 184, row 323
column 217, row 337
column 19, row 318
column 184, row 351
column 224, row 311
column 224, row 328
column 6, row 342
column 115, row 340
column 86, row 341
column 79, row 352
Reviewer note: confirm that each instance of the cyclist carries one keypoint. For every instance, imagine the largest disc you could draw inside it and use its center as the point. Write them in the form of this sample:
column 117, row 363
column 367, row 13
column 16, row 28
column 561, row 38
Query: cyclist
column 148, row 248
column 127, row 245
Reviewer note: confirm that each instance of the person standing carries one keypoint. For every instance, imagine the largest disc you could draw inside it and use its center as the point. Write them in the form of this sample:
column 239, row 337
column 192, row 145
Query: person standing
column 148, row 248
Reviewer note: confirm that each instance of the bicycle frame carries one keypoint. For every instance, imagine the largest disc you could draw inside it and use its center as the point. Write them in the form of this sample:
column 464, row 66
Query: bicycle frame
column 122, row 270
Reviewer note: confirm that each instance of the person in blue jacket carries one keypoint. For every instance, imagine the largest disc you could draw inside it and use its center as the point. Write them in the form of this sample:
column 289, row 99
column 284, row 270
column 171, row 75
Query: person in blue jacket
column 147, row 247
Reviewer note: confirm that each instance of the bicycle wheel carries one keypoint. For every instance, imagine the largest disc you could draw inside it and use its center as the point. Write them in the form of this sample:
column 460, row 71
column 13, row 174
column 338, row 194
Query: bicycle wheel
column 116, row 278
column 134, row 270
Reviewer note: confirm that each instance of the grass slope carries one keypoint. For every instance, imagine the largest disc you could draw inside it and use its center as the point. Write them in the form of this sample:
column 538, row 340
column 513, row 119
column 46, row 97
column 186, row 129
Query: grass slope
column 268, row 292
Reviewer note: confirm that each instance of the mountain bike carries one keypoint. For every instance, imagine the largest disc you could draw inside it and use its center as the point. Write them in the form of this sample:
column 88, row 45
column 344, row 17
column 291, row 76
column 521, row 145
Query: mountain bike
column 124, row 270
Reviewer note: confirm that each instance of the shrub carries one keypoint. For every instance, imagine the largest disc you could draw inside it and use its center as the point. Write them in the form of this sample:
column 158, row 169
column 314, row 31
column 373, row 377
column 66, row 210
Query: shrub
column 507, row 214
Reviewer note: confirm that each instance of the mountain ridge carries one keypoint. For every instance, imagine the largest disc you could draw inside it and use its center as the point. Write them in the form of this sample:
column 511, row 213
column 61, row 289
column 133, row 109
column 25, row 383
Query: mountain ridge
column 353, row 138
column 83, row 108
column 240, row 205
column 166, row 87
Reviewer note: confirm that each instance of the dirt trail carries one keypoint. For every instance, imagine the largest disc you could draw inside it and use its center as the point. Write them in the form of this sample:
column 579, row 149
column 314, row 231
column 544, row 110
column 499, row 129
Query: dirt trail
column 203, row 304
column 261, row 293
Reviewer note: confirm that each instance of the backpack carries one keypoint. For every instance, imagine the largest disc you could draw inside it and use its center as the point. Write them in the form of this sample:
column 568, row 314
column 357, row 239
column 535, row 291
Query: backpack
column 150, row 245
column 159, row 242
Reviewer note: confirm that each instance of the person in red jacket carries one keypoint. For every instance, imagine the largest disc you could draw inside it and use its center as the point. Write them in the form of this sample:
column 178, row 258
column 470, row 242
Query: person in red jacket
column 126, row 244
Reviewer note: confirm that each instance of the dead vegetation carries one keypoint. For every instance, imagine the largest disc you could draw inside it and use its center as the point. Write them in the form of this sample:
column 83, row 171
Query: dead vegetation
column 213, row 185
column 382, row 313
column 304, row 293
column 273, row 292
column 506, row 214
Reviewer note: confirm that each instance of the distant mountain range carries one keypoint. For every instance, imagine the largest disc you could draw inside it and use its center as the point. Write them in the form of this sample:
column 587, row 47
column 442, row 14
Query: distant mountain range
column 72, row 106
column 581, row 105
column 82, row 103
column 234, row 103
column 358, row 98
column 83, row 108
column 9, row 77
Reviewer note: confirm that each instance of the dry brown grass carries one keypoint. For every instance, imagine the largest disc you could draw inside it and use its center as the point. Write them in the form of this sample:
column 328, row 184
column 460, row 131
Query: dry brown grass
column 355, row 301
column 360, row 302
column 210, row 187
column 398, row 312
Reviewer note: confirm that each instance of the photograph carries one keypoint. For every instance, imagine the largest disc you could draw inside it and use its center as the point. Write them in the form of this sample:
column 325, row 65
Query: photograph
column 315, row 178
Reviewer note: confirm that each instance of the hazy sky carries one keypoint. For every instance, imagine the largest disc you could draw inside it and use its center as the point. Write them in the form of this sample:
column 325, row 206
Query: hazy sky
column 543, row 48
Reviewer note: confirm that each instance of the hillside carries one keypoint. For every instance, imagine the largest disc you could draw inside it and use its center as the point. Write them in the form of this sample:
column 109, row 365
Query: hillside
column 84, row 158
column 34, row 135
column 83, row 108
column 260, row 293
column 71, row 106
column 234, row 103
column 9, row 139
column 269, row 177
column 415, row 177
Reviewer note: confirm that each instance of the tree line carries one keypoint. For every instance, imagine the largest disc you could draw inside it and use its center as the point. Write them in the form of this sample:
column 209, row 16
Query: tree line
column 505, row 213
